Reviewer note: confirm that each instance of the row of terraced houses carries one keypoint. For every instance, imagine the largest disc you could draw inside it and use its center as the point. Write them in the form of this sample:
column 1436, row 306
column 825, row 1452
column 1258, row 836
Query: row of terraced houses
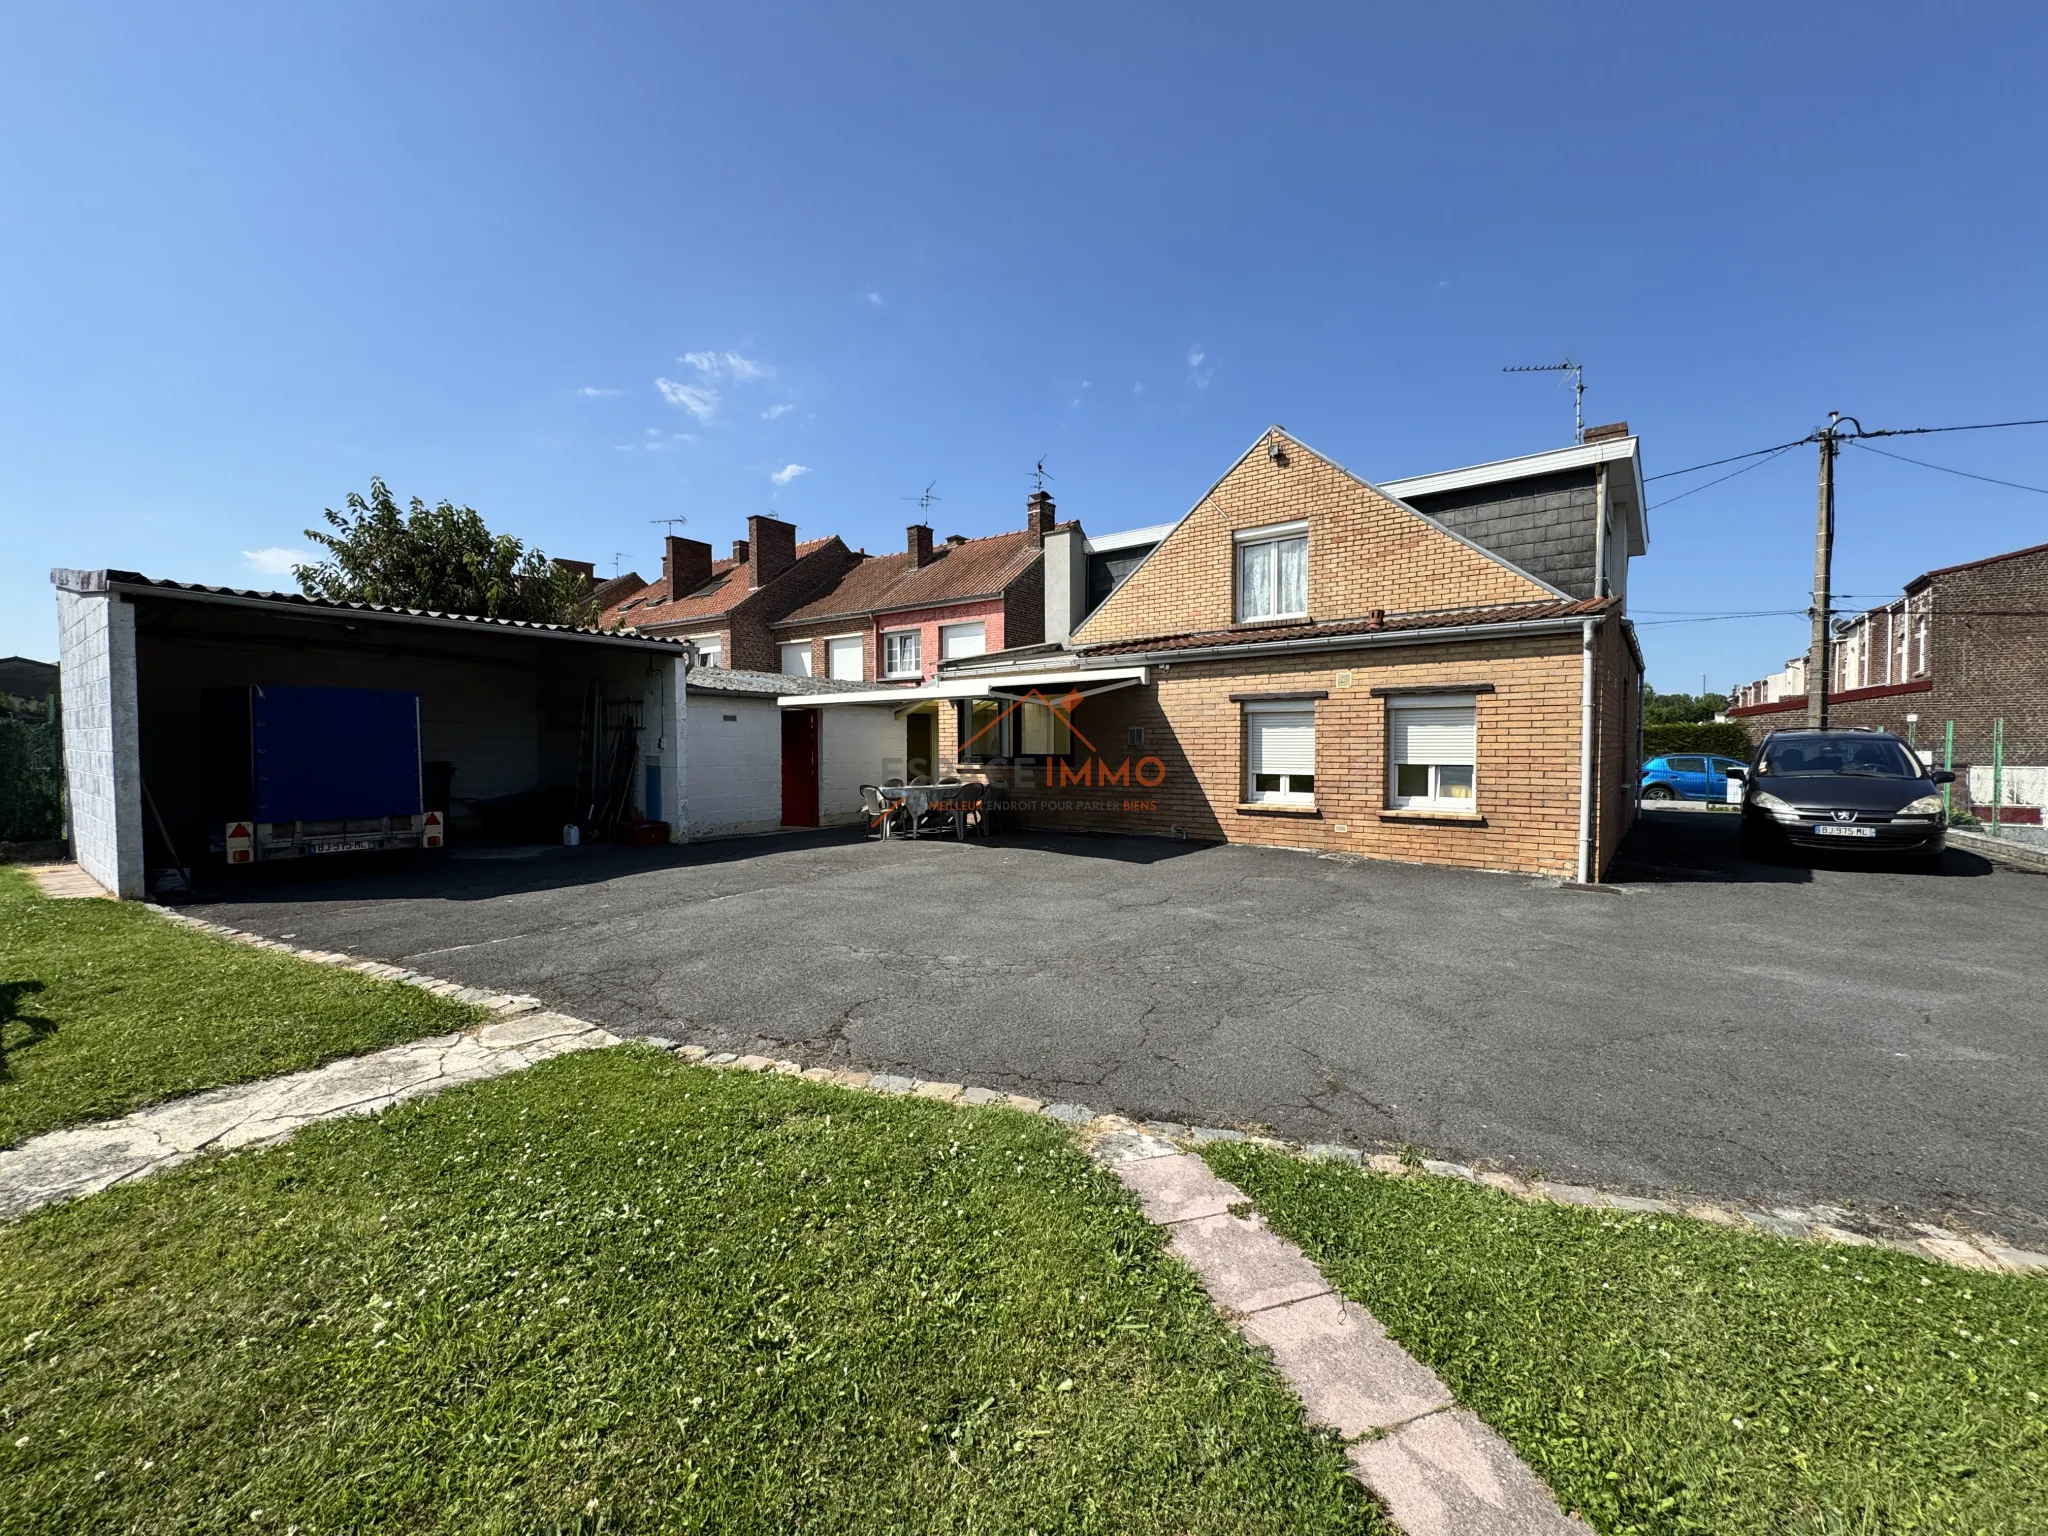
column 1438, row 668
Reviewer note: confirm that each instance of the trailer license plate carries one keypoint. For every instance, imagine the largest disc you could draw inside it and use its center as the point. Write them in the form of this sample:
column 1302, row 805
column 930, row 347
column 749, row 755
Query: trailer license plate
column 352, row 847
column 1825, row 830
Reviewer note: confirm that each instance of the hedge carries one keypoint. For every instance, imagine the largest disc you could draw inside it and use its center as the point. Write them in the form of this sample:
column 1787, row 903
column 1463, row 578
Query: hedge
column 31, row 778
column 1725, row 738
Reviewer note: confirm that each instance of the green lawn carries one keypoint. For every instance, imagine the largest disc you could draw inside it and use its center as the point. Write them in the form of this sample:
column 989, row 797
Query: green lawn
column 105, row 1007
column 1666, row 1375
column 619, row 1293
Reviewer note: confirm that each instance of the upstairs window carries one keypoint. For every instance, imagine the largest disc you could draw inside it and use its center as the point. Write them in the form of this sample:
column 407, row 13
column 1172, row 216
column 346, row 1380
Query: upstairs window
column 796, row 658
column 1431, row 752
column 1272, row 573
column 710, row 651
column 845, row 660
column 962, row 640
column 901, row 656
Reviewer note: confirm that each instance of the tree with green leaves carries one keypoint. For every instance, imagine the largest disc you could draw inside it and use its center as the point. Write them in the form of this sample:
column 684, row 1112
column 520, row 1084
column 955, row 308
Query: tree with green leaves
column 1680, row 708
column 440, row 558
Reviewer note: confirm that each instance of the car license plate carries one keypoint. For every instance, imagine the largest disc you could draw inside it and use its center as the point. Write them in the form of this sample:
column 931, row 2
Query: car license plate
column 1825, row 830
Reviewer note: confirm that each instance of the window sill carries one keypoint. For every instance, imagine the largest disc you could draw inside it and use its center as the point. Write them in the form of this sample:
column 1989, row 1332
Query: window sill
column 1275, row 808
column 1271, row 621
column 1456, row 818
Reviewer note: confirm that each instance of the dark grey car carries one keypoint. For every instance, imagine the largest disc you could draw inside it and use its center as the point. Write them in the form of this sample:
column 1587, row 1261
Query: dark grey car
column 1863, row 791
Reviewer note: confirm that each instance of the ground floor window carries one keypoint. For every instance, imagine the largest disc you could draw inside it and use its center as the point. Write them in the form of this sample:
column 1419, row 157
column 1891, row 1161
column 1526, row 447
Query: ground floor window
column 1280, row 754
column 1005, row 728
column 1431, row 743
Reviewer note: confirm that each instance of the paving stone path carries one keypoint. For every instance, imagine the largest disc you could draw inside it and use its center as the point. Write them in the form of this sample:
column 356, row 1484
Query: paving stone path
column 82, row 1160
column 1438, row 1469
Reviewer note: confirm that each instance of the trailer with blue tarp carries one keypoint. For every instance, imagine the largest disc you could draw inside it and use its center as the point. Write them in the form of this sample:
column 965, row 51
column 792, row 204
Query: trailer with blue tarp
column 289, row 771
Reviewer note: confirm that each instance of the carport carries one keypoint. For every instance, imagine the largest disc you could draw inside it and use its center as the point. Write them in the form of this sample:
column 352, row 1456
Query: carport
column 524, row 716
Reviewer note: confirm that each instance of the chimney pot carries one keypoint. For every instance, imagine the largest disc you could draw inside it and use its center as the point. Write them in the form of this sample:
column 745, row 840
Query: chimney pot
column 920, row 545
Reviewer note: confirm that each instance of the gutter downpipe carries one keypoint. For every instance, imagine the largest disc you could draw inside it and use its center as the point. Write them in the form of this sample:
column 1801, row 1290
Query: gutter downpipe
column 1586, row 752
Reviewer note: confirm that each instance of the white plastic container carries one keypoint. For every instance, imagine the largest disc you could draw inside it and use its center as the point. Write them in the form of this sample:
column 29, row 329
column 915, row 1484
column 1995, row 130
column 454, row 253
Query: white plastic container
column 572, row 836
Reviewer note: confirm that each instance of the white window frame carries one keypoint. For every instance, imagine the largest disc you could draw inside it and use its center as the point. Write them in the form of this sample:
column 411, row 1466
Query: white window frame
column 948, row 631
column 710, row 650
column 1435, row 799
column 1288, row 796
column 915, row 639
column 1247, row 539
column 782, row 651
column 860, row 649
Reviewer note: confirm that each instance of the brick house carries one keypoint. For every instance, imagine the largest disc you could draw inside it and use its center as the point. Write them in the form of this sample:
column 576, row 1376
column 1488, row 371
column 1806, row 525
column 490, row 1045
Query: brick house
column 892, row 619
column 1309, row 660
column 725, row 608
column 1966, row 644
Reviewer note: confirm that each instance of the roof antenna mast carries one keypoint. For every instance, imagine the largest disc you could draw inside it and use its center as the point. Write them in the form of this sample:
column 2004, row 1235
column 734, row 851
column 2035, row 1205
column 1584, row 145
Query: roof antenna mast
column 924, row 502
column 1040, row 475
column 1578, row 373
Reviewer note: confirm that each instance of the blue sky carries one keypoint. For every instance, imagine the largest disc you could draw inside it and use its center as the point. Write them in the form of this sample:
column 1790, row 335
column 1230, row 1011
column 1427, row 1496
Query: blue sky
column 250, row 257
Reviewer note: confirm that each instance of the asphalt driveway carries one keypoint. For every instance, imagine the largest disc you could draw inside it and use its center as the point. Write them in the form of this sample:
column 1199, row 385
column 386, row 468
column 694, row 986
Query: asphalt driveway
column 1871, row 1036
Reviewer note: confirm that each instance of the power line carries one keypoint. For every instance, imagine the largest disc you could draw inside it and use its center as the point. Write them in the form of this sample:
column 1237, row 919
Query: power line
column 1946, row 470
column 1733, row 459
column 1759, row 464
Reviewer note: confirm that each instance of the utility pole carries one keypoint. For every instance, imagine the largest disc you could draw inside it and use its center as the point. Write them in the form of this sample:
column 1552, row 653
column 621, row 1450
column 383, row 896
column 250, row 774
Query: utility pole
column 1823, row 562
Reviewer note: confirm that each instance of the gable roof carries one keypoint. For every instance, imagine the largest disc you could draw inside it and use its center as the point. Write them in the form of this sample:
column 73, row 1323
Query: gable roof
column 731, row 583
column 1276, row 430
column 957, row 573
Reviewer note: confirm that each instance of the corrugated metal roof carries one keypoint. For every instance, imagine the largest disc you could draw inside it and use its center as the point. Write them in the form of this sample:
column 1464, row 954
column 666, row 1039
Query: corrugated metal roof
column 100, row 581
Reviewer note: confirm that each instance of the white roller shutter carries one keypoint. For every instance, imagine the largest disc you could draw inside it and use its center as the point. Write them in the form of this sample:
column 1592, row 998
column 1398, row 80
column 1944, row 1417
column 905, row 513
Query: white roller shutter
column 845, row 658
column 1282, row 740
column 962, row 640
column 1431, row 733
column 796, row 659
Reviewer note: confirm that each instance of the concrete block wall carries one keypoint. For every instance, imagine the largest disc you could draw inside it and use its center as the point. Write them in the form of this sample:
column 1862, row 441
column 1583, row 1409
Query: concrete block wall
column 857, row 744
column 102, row 734
column 1364, row 552
column 733, row 760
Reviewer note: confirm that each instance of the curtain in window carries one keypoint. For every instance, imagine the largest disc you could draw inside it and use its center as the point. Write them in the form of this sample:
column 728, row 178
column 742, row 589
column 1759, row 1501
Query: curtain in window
column 1256, row 585
column 1293, row 576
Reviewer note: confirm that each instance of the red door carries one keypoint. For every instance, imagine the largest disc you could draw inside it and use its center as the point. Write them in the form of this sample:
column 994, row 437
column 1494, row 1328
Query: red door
column 799, row 767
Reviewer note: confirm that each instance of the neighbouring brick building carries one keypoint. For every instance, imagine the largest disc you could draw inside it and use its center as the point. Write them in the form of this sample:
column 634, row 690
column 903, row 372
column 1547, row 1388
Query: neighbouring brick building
column 1968, row 645
column 1310, row 660
column 725, row 608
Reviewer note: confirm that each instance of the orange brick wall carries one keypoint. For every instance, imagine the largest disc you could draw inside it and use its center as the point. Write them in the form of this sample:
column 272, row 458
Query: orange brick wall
column 1527, row 774
column 1364, row 552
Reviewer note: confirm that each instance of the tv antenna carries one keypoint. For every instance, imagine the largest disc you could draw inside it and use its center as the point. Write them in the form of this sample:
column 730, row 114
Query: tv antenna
column 1578, row 373
column 1039, row 475
column 924, row 502
column 617, row 556
column 670, row 522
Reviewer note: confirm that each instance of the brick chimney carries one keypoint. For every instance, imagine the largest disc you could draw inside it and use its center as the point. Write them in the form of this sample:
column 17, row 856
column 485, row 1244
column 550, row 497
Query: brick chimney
column 1039, row 514
column 587, row 569
column 920, row 545
column 739, row 551
column 773, row 543
column 685, row 566
column 1612, row 429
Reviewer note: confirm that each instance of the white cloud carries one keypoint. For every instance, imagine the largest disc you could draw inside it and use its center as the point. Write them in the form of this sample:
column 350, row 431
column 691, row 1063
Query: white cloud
column 1197, row 374
column 789, row 472
column 727, row 365
column 700, row 401
column 780, row 408
column 591, row 392
column 1138, row 388
column 875, row 301
column 276, row 561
